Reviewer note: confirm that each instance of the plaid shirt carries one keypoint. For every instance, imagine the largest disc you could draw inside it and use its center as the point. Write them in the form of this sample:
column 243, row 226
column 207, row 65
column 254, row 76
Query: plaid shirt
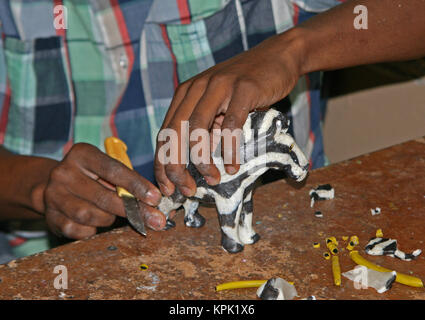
column 114, row 69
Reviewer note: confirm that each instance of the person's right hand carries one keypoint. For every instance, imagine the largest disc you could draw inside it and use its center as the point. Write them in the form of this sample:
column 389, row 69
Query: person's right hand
column 80, row 193
column 221, row 98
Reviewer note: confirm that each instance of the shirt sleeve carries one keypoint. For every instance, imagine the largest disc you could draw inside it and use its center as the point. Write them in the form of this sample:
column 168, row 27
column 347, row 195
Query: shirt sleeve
column 4, row 89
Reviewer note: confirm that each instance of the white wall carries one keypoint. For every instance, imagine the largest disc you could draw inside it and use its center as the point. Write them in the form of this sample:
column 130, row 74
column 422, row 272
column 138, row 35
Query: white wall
column 373, row 119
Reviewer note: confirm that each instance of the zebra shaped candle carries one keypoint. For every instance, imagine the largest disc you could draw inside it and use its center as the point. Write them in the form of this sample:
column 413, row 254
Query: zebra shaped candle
column 266, row 145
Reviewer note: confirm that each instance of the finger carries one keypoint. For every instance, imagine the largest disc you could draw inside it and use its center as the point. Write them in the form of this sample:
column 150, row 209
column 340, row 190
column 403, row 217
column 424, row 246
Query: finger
column 153, row 218
column 63, row 226
column 85, row 213
column 181, row 177
column 214, row 102
column 176, row 172
column 53, row 221
column 234, row 119
column 216, row 133
column 184, row 87
column 165, row 185
column 97, row 193
column 116, row 173
column 172, row 214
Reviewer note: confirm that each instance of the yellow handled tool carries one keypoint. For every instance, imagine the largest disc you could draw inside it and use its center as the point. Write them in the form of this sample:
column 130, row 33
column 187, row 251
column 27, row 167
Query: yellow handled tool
column 117, row 149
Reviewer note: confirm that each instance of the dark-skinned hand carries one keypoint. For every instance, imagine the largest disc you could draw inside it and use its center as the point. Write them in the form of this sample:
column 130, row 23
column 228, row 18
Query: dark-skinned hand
column 80, row 195
column 221, row 98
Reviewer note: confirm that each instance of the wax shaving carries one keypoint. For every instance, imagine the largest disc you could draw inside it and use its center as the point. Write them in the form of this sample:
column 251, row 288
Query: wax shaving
column 375, row 211
column 277, row 289
column 388, row 247
column 321, row 192
column 364, row 277
column 155, row 282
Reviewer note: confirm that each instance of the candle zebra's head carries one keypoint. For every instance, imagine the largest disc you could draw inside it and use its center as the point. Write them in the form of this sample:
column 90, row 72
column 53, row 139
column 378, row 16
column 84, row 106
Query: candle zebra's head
column 266, row 136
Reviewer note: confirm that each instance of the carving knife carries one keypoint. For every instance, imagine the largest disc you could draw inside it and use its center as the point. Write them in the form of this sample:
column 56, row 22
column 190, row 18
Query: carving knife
column 117, row 149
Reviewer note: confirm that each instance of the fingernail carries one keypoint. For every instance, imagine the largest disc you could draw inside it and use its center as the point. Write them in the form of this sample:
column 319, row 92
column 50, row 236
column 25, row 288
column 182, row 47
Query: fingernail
column 231, row 170
column 187, row 192
column 154, row 222
column 154, row 196
column 165, row 189
column 211, row 181
column 154, row 193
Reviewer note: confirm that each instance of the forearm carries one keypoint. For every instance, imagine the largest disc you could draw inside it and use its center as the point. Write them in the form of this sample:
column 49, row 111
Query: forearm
column 22, row 182
column 395, row 31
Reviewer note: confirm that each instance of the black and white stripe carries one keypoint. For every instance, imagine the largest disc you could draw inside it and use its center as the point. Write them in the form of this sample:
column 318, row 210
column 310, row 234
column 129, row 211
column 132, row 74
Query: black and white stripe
column 263, row 130
column 388, row 247
column 277, row 289
column 321, row 192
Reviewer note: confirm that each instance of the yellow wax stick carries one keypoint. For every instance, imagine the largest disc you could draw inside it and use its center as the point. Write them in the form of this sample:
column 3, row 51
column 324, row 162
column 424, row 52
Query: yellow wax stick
column 332, row 248
column 336, row 270
column 400, row 277
column 242, row 284
column 332, row 239
column 354, row 241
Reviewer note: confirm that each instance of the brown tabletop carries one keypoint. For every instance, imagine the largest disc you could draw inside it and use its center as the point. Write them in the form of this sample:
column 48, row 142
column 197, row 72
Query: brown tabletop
column 186, row 263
